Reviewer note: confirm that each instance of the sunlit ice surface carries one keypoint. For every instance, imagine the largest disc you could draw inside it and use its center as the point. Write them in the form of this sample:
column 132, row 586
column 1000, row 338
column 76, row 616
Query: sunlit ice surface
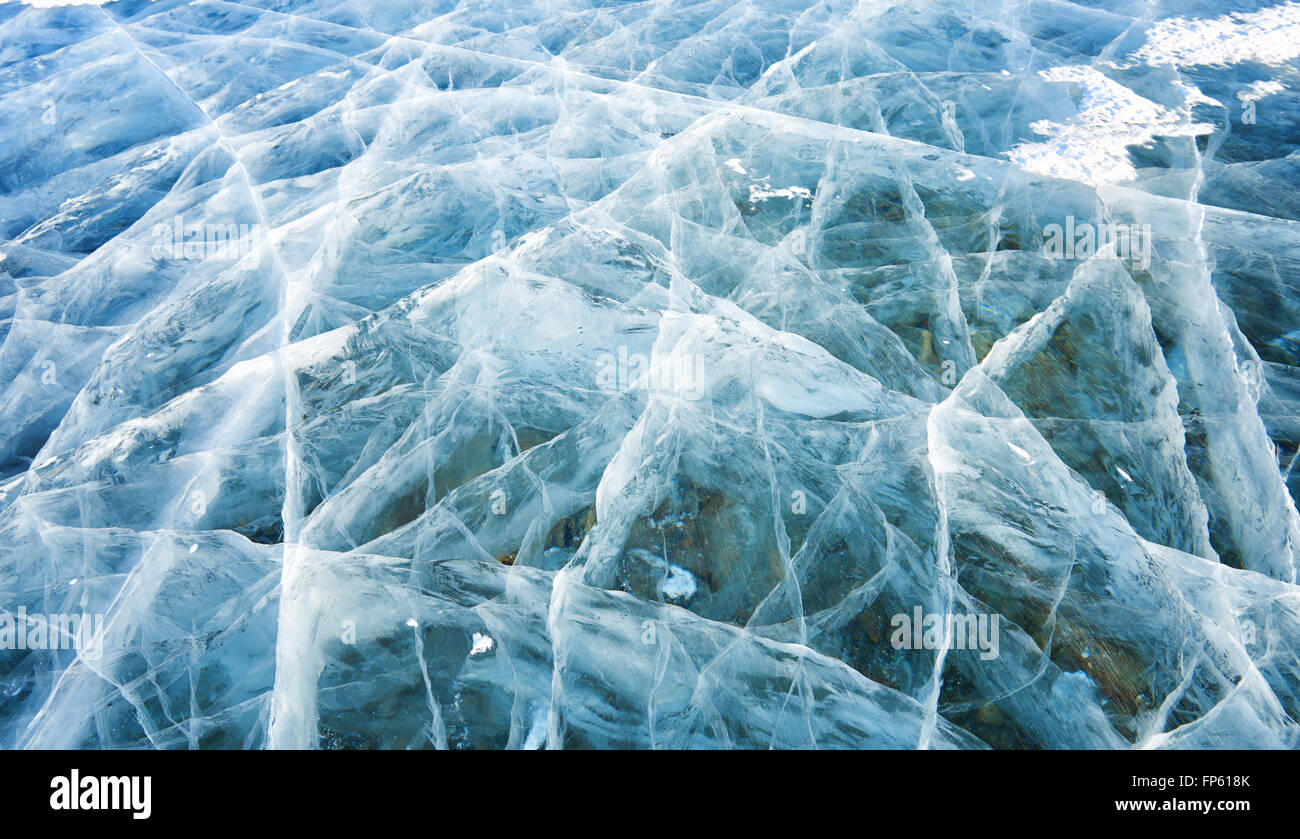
column 677, row 374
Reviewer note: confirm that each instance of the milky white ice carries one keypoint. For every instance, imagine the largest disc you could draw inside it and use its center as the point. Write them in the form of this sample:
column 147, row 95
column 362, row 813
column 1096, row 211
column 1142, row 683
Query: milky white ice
column 567, row 375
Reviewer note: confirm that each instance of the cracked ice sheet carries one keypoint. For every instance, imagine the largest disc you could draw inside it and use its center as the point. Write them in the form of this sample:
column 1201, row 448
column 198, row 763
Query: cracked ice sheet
column 619, row 376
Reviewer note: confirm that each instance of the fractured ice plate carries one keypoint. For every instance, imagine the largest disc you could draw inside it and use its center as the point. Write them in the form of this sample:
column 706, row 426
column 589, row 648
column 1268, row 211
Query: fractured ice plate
column 626, row 375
